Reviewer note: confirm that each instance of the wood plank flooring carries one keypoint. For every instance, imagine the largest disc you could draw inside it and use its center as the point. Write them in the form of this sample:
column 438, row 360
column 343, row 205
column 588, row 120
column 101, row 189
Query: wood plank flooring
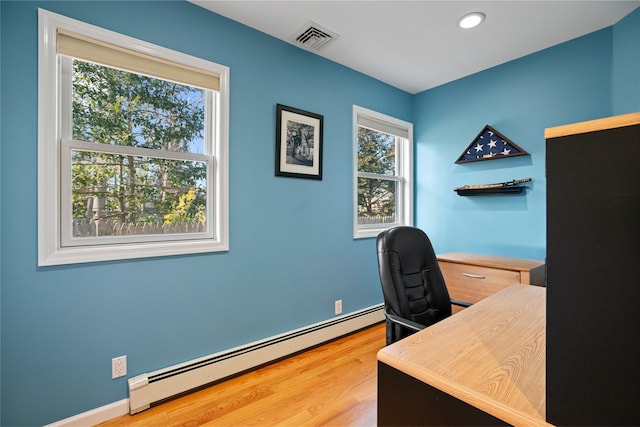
column 331, row 385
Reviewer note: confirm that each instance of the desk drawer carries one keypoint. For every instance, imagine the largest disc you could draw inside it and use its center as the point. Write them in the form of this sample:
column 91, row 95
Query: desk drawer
column 472, row 283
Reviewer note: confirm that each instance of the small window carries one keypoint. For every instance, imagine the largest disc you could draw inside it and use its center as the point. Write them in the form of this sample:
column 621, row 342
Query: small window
column 383, row 158
column 132, row 147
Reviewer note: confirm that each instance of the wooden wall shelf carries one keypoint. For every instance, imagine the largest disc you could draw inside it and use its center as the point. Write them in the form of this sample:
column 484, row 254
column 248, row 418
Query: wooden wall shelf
column 511, row 187
column 486, row 191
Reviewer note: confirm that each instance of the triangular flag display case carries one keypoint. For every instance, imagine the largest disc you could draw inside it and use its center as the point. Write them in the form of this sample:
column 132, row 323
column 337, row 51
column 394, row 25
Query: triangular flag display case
column 489, row 145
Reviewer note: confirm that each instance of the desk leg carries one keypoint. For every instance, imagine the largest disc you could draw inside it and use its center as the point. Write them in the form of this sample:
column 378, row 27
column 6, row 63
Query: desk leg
column 406, row 401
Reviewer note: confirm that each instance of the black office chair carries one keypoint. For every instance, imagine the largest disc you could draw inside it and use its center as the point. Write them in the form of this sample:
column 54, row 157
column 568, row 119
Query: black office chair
column 415, row 293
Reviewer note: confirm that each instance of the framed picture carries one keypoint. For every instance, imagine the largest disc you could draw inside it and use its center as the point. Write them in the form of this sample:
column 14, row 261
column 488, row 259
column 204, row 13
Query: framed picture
column 298, row 143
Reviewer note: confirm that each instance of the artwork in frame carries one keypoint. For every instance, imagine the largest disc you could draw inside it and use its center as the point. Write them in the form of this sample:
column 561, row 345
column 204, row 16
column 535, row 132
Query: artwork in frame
column 298, row 143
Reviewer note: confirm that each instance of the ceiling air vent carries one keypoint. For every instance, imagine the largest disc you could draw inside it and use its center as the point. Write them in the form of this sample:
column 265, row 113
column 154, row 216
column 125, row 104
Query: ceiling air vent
column 315, row 36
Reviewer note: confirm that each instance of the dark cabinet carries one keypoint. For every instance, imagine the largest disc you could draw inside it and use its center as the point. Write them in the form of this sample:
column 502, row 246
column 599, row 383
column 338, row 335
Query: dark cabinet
column 593, row 272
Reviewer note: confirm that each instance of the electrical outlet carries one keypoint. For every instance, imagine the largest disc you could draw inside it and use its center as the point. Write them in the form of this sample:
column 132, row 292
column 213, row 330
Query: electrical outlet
column 118, row 367
column 338, row 306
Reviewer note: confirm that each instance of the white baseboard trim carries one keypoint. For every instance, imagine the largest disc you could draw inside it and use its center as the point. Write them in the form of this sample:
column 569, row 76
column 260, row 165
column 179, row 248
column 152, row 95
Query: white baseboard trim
column 122, row 407
column 95, row 416
column 149, row 388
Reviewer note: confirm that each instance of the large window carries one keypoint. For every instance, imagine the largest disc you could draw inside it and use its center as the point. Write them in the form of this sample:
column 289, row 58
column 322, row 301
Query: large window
column 383, row 157
column 132, row 152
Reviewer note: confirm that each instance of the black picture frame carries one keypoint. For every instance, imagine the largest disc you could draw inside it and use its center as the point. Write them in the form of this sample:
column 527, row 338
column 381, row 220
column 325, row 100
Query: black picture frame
column 298, row 143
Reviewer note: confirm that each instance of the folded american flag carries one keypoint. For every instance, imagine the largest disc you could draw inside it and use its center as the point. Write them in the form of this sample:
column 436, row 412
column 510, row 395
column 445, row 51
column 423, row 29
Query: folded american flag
column 490, row 144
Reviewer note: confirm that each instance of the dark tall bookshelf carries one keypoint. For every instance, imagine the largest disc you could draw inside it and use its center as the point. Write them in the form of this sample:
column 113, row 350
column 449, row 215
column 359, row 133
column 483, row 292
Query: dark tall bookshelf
column 593, row 272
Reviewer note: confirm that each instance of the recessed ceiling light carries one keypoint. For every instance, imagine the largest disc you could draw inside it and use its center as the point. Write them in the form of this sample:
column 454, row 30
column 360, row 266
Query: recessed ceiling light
column 471, row 20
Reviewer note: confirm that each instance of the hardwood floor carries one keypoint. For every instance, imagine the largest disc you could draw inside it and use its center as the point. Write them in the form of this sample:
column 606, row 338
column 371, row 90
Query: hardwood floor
column 331, row 385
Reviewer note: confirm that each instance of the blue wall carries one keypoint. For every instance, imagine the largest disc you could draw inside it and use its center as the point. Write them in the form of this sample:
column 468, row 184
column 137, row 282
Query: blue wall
column 291, row 248
column 564, row 84
column 626, row 64
column 291, row 252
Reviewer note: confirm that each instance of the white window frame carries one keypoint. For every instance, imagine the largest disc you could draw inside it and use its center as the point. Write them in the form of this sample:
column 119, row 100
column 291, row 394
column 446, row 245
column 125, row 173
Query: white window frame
column 404, row 170
column 54, row 146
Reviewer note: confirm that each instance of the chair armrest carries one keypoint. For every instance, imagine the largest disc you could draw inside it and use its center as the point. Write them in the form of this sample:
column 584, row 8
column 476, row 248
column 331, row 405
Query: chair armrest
column 460, row 303
column 403, row 322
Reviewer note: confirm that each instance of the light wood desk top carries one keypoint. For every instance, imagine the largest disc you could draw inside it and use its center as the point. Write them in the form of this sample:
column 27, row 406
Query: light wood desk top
column 491, row 355
column 503, row 263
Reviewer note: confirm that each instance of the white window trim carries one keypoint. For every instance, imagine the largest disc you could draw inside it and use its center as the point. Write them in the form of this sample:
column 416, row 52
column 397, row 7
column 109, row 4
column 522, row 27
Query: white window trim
column 50, row 250
column 404, row 157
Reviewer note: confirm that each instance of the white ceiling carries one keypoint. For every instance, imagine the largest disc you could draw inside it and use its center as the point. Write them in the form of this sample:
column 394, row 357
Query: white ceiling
column 416, row 45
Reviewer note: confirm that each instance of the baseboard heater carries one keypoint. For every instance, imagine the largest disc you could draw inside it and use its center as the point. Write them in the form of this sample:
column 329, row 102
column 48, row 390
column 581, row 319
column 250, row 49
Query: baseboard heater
column 147, row 389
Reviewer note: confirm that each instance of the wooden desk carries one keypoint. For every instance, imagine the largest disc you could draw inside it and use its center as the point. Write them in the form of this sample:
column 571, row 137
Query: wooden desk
column 482, row 366
column 473, row 277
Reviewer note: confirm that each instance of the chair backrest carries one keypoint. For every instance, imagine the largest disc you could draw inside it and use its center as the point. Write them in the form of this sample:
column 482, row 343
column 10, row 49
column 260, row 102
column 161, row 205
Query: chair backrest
column 412, row 283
